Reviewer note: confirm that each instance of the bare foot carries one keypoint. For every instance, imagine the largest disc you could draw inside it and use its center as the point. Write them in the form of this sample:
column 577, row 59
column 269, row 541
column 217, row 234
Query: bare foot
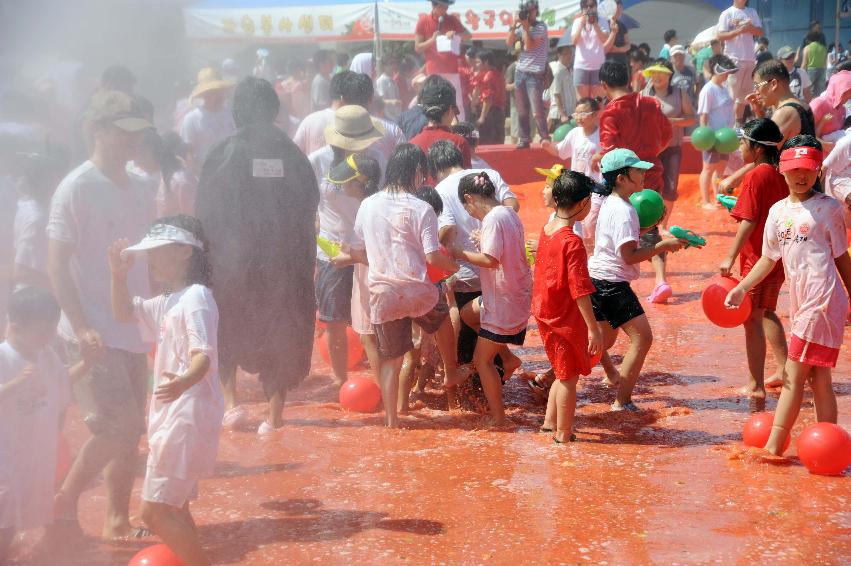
column 462, row 374
column 753, row 392
column 609, row 382
column 120, row 530
column 495, row 422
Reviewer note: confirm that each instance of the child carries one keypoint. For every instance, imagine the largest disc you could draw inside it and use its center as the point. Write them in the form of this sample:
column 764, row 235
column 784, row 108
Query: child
column 561, row 301
column 806, row 231
column 490, row 102
column 34, row 391
column 715, row 110
column 396, row 234
column 615, row 264
column 502, row 312
column 762, row 187
column 187, row 407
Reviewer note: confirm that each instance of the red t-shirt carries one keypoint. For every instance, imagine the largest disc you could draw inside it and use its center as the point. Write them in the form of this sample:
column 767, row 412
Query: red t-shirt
column 431, row 134
column 761, row 188
column 636, row 122
column 491, row 85
column 438, row 63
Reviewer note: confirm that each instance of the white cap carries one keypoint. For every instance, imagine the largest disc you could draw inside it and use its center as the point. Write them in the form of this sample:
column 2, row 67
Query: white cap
column 677, row 50
column 161, row 235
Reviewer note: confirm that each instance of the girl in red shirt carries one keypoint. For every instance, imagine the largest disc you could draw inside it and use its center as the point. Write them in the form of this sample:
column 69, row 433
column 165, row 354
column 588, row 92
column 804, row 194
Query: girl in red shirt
column 561, row 301
column 762, row 187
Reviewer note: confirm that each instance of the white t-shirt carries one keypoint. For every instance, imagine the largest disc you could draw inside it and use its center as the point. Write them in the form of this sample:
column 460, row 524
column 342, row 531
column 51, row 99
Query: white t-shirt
column 506, row 290
column 740, row 47
column 202, row 129
column 89, row 212
column 183, row 435
column 310, row 135
column 562, row 86
column 837, row 174
column 397, row 230
column 580, row 149
column 31, row 235
column 716, row 102
column 590, row 54
column 29, row 435
column 455, row 215
column 617, row 224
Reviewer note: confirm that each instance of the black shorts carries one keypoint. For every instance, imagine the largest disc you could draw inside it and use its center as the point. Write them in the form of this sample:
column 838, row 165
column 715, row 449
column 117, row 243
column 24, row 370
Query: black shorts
column 394, row 337
column 514, row 339
column 334, row 292
column 615, row 302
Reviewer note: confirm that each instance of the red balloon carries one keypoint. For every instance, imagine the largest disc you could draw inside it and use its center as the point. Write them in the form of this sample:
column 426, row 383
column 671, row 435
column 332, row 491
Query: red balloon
column 595, row 359
column 435, row 274
column 356, row 351
column 360, row 394
column 157, row 555
column 64, row 459
column 758, row 429
column 825, row 449
column 712, row 300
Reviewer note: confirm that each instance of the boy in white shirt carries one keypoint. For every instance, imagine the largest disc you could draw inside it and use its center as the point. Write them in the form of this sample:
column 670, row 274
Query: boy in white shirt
column 615, row 264
column 715, row 109
column 34, row 391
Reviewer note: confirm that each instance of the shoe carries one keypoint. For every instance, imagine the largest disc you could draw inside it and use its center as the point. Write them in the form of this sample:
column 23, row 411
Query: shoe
column 631, row 407
column 265, row 428
column 523, row 145
column 235, row 418
column 661, row 293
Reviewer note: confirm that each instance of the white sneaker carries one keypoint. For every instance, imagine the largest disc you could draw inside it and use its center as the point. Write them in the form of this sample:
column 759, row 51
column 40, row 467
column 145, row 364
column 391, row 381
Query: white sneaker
column 235, row 418
column 265, row 428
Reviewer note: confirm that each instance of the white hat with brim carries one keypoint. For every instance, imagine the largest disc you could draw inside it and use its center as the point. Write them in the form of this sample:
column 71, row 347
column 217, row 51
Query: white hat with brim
column 163, row 235
column 353, row 129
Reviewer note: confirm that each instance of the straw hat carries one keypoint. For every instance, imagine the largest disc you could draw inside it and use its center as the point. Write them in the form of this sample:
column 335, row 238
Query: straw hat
column 353, row 129
column 209, row 79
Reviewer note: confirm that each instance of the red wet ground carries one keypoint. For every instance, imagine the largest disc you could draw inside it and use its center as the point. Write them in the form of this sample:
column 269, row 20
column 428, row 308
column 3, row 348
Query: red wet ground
column 665, row 486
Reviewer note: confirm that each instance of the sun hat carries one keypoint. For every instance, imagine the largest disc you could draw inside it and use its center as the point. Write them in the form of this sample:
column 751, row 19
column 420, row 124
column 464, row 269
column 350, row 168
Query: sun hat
column 621, row 158
column 160, row 235
column 551, row 173
column 344, row 171
column 353, row 129
column 656, row 69
column 209, row 79
column 801, row 157
column 119, row 109
column 677, row 50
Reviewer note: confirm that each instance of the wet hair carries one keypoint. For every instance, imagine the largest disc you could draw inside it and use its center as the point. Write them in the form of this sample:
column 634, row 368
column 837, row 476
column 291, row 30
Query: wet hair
column 772, row 69
column 719, row 60
column 371, row 170
column 614, row 74
column 357, row 89
column 764, row 130
column 611, row 178
column 669, row 35
column 403, row 166
column 476, row 184
column 662, row 62
column 335, row 89
column 431, row 196
column 485, row 56
column 468, row 131
column 443, row 155
column 594, row 103
column 255, row 102
column 200, row 270
column 571, row 187
column 30, row 305
column 806, row 140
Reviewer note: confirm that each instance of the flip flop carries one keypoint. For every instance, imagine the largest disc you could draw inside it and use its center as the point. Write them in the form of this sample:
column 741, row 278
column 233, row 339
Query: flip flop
column 661, row 293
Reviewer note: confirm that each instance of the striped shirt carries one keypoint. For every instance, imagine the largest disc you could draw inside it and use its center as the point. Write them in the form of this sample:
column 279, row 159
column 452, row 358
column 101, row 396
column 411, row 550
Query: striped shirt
column 535, row 61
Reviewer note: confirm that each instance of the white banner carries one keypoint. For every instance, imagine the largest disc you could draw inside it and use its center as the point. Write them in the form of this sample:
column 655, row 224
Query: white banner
column 342, row 22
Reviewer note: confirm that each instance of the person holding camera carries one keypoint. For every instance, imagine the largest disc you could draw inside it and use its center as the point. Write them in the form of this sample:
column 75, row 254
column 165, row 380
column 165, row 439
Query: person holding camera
column 592, row 37
column 530, row 70
column 440, row 61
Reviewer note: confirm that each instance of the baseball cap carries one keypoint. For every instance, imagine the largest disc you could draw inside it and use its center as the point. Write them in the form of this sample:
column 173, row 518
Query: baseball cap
column 621, row 158
column 785, row 52
column 117, row 108
column 551, row 173
column 677, row 50
column 160, row 235
column 801, row 158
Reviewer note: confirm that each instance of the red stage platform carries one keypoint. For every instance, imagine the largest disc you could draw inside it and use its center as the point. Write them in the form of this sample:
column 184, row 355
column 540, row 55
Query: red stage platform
column 518, row 165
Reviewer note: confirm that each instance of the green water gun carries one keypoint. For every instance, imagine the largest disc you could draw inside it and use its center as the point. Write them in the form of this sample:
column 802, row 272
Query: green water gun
column 330, row 248
column 727, row 201
column 687, row 235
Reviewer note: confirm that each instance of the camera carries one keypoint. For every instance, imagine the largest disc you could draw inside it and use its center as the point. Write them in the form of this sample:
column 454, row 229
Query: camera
column 524, row 13
column 525, row 8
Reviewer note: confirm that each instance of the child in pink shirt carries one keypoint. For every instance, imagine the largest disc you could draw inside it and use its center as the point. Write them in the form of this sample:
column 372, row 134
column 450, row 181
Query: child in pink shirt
column 807, row 231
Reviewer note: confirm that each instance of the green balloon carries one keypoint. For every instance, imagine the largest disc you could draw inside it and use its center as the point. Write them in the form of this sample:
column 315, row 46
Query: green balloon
column 561, row 132
column 703, row 138
column 726, row 140
column 649, row 206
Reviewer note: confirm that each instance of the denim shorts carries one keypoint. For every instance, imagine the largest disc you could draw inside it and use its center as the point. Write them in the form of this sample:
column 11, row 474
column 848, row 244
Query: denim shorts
column 585, row 77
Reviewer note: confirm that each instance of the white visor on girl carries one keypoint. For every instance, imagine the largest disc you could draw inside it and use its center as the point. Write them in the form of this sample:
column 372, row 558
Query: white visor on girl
column 161, row 235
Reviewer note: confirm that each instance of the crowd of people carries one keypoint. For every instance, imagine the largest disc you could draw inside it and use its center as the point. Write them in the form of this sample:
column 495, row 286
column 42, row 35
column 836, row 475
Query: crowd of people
column 201, row 241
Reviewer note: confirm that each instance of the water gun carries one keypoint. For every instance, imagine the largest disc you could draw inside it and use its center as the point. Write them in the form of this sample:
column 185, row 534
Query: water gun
column 727, row 201
column 687, row 235
column 530, row 257
column 330, row 248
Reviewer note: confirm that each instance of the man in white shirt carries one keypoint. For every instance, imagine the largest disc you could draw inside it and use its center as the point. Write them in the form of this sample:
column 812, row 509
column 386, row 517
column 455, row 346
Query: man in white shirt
column 562, row 93
column 211, row 121
column 738, row 25
column 320, row 99
column 93, row 206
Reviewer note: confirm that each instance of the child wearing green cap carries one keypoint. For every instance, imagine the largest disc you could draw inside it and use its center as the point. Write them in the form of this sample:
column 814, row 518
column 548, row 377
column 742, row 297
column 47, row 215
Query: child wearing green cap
column 615, row 264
